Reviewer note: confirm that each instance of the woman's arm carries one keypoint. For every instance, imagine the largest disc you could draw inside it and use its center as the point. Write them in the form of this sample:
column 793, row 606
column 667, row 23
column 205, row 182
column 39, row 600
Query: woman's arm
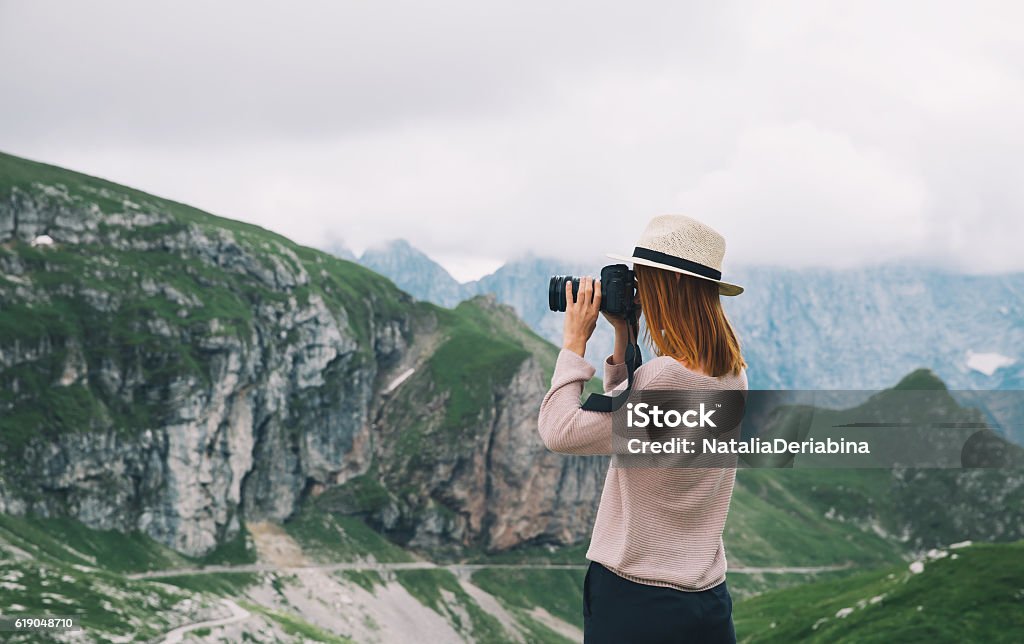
column 563, row 426
column 615, row 364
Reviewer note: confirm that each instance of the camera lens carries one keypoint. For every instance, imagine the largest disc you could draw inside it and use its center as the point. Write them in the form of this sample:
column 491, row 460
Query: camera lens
column 556, row 291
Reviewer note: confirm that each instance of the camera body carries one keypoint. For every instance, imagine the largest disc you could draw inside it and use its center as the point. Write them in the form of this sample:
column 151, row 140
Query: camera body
column 618, row 291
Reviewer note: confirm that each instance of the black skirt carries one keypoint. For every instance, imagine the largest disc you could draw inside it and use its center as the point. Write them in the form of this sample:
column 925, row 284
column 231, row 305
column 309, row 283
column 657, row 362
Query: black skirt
column 619, row 611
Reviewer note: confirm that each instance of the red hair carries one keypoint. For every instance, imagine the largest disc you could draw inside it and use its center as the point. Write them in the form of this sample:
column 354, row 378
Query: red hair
column 685, row 320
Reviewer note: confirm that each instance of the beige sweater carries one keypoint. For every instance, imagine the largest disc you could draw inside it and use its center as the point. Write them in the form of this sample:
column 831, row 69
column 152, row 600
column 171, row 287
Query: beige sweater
column 658, row 526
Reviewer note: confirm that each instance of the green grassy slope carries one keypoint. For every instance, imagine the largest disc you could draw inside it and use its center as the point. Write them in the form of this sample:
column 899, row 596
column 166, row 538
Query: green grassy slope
column 66, row 280
column 326, row 536
column 61, row 567
column 52, row 303
column 782, row 517
column 974, row 594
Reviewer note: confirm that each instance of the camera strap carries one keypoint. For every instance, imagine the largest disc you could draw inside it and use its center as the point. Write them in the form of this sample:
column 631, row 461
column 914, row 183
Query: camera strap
column 606, row 403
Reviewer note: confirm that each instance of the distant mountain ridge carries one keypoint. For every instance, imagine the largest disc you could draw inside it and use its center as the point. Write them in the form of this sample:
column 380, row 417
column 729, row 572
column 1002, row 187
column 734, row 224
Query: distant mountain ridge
column 413, row 272
column 801, row 328
column 808, row 329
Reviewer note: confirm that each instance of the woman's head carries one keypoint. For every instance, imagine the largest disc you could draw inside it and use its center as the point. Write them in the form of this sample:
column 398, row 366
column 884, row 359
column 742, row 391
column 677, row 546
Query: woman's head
column 685, row 320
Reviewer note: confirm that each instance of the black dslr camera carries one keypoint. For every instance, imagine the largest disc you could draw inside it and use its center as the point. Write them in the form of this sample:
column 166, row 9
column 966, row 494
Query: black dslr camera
column 618, row 290
column 618, row 295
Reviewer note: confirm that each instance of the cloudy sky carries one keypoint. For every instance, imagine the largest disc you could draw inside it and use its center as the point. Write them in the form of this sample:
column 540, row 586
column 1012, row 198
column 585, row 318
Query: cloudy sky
column 809, row 134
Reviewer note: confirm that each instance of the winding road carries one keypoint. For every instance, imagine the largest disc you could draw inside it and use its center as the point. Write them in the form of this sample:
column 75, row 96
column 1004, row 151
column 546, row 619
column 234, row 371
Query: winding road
column 461, row 570
column 237, row 614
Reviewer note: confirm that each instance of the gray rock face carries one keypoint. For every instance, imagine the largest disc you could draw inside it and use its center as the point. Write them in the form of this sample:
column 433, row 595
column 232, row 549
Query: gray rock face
column 187, row 371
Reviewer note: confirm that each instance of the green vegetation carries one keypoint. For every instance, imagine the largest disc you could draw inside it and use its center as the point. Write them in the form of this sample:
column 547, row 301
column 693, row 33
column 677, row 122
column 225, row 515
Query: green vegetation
column 368, row 580
column 60, row 567
column 534, row 554
column 560, row 592
column 359, row 495
column 238, row 550
column 68, row 542
column 440, row 591
column 295, row 626
column 537, row 633
column 743, row 585
column 921, row 380
column 231, row 584
column 471, row 362
column 976, row 594
column 781, row 517
column 330, row 537
column 104, row 602
column 134, row 301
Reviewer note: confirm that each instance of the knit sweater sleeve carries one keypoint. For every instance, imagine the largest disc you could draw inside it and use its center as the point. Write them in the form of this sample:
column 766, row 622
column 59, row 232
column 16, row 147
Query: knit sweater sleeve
column 564, row 426
column 614, row 374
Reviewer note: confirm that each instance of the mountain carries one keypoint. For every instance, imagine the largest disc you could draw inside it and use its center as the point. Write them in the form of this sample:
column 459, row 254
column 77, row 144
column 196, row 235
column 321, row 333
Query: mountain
column 521, row 284
column 167, row 371
column 829, row 514
column 340, row 250
column 180, row 391
column 822, row 329
column 415, row 273
column 866, row 328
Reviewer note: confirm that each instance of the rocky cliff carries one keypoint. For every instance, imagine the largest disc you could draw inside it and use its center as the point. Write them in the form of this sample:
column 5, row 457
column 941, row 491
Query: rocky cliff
column 169, row 371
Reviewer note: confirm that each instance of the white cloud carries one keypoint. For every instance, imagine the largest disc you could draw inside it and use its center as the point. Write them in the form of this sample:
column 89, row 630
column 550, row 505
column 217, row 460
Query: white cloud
column 808, row 132
column 800, row 196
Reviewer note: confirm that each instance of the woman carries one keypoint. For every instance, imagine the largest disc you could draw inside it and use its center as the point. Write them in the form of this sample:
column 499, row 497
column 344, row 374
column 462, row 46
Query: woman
column 657, row 561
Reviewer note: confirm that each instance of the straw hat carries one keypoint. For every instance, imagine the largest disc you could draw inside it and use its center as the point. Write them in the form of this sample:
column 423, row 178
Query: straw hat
column 683, row 245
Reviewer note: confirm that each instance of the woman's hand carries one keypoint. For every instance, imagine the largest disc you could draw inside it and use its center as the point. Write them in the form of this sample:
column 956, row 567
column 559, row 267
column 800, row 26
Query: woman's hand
column 581, row 315
column 619, row 323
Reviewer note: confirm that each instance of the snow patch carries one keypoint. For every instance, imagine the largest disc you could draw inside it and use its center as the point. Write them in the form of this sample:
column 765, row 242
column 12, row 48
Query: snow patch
column 960, row 544
column 399, row 380
column 988, row 363
column 842, row 613
column 917, row 567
